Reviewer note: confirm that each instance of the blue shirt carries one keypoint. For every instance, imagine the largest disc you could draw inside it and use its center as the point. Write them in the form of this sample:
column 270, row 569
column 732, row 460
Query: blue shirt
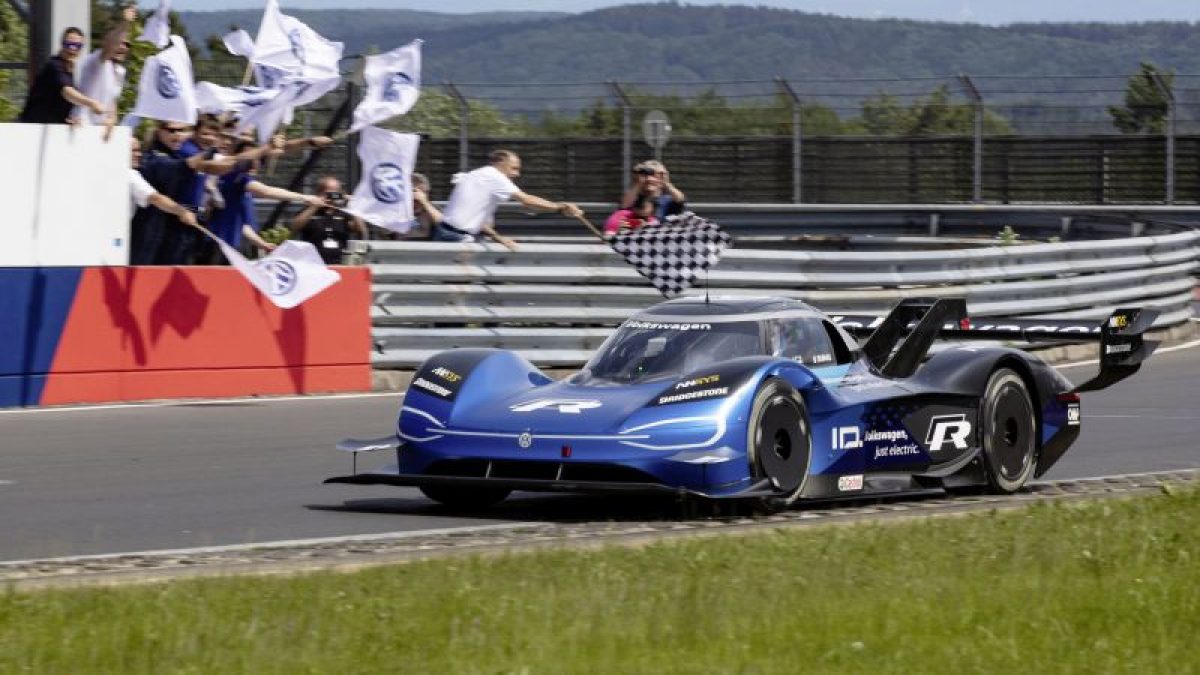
column 227, row 223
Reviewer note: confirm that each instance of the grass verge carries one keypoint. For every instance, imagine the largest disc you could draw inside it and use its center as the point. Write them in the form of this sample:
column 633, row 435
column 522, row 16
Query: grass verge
column 1109, row 586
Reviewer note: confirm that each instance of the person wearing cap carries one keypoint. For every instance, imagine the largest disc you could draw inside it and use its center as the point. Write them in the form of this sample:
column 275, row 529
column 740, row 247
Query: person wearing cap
column 53, row 94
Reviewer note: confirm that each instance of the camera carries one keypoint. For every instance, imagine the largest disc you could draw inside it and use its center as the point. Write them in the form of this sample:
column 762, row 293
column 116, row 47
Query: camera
column 335, row 198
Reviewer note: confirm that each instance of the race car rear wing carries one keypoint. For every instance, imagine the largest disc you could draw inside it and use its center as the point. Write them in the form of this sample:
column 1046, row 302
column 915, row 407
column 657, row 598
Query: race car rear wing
column 897, row 343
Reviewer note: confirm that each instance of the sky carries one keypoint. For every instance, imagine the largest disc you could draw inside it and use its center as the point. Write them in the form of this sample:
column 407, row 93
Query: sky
column 992, row 12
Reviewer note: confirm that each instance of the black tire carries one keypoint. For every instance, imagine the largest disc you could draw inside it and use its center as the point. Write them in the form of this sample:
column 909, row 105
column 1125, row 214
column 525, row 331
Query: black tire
column 465, row 497
column 779, row 442
column 1010, row 438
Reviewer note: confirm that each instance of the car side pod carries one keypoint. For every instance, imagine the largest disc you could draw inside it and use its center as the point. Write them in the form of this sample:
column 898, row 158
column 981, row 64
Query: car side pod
column 356, row 446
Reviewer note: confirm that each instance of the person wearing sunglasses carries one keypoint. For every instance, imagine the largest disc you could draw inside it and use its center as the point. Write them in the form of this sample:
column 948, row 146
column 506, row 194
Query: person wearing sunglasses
column 53, row 94
column 102, row 73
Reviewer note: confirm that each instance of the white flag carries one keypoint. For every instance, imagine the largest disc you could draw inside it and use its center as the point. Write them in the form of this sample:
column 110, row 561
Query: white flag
column 167, row 90
column 158, row 27
column 288, row 44
column 393, row 85
column 239, row 43
column 266, row 118
column 213, row 98
column 293, row 273
column 384, row 195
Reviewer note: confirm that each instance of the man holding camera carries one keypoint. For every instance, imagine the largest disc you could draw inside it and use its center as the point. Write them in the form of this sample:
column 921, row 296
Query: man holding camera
column 325, row 226
column 652, row 181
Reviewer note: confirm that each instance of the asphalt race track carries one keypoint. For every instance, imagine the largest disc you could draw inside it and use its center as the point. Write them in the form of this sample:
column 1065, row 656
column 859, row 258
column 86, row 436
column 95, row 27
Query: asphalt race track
column 136, row 478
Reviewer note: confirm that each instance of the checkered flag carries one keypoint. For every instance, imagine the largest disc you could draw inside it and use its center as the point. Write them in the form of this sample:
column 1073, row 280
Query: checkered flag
column 673, row 253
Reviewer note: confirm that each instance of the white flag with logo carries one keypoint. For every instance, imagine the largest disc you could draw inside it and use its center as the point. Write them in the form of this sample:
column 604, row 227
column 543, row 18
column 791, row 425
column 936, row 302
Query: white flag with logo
column 291, row 93
column 213, row 98
column 384, row 195
column 158, row 27
column 239, row 43
column 167, row 90
column 293, row 273
column 286, row 43
column 393, row 85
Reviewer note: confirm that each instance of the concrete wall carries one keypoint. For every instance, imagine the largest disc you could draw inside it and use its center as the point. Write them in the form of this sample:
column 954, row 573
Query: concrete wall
column 73, row 335
column 66, row 196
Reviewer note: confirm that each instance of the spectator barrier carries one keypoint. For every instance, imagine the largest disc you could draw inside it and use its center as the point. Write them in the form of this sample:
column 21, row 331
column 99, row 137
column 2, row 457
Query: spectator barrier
column 75, row 334
column 555, row 303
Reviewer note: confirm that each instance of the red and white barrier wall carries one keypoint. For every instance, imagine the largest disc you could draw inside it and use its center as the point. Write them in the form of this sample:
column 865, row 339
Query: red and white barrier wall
column 77, row 325
column 73, row 335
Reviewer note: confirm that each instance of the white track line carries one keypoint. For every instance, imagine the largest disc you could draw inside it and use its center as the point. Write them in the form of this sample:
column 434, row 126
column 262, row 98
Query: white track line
column 286, row 543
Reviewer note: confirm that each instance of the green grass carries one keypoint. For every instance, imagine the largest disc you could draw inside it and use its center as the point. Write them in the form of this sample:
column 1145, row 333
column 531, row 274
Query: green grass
column 1108, row 587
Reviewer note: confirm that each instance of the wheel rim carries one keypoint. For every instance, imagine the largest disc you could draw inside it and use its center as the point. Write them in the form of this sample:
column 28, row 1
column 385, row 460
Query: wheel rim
column 779, row 441
column 1011, row 433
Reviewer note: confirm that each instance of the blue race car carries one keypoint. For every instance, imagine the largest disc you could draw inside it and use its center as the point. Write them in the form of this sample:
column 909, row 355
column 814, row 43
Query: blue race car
column 762, row 398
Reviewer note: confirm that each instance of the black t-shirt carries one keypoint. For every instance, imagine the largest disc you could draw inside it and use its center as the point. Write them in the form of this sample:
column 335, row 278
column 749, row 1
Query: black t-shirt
column 45, row 104
column 329, row 231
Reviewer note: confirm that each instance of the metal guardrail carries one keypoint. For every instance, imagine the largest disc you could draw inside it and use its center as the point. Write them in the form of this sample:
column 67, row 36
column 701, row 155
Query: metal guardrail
column 555, row 303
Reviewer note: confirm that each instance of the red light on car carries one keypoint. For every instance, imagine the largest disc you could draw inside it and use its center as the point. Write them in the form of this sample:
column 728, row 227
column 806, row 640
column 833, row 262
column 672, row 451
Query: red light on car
column 1069, row 397
column 964, row 323
column 566, row 451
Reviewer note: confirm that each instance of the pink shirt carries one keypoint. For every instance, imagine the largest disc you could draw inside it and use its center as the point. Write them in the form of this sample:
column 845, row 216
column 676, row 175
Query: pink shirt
column 626, row 218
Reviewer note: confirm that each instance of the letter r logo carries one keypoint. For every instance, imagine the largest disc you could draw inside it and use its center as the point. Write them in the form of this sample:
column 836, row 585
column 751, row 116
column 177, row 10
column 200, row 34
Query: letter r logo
column 948, row 428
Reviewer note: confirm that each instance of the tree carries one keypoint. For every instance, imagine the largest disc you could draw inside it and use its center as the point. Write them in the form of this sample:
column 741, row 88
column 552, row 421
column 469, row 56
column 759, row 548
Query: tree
column 14, row 43
column 1146, row 104
column 935, row 115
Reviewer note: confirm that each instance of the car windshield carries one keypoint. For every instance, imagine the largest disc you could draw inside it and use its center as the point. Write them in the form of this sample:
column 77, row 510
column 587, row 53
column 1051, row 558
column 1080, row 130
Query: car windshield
column 642, row 351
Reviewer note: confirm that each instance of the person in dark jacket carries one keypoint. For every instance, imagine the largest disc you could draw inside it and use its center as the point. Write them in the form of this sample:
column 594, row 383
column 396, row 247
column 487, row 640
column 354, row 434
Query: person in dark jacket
column 53, row 94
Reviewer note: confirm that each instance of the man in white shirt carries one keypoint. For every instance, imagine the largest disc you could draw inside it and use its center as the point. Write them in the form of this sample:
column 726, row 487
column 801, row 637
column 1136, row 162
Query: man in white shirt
column 102, row 73
column 471, row 209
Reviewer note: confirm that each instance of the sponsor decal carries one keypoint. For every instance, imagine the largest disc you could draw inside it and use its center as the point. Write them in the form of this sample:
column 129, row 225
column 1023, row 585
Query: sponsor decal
column 863, row 382
column 891, row 436
column 447, row 374
column 693, row 395
column 945, row 429
column 667, row 326
column 1118, row 349
column 698, row 382
column 565, row 406
column 850, row 483
column 436, row 389
column 897, row 450
column 1073, row 414
column 846, row 438
column 525, row 439
column 1118, row 321
column 821, row 358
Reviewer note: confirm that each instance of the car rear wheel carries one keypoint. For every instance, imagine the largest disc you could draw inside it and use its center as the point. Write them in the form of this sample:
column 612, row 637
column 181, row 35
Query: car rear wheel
column 779, row 442
column 1009, row 432
column 461, row 497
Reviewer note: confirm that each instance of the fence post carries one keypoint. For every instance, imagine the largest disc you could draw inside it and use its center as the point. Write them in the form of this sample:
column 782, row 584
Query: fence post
column 797, row 138
column 1169, row 94
column 626, row 134
column 464, row 125
column 977, row 103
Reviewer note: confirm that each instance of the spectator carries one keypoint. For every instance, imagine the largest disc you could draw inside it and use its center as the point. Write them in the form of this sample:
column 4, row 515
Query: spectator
column 324, row 225
column 651, row 179
column 472, row 205
column 425, row 214
column 102, row 73
column 229, row 223
column 641, row 213
column 144, row 195
column 53, row 94
column 174, row 170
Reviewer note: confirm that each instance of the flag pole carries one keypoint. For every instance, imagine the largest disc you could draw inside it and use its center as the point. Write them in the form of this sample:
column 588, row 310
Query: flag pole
column 588, row 224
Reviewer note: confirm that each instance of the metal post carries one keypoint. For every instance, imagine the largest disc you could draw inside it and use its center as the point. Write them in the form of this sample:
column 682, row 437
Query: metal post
column 626, row 135
column 1169, row 94
column 353, row 170
column 464, row 125
column 797, row 138
column 977, row 102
